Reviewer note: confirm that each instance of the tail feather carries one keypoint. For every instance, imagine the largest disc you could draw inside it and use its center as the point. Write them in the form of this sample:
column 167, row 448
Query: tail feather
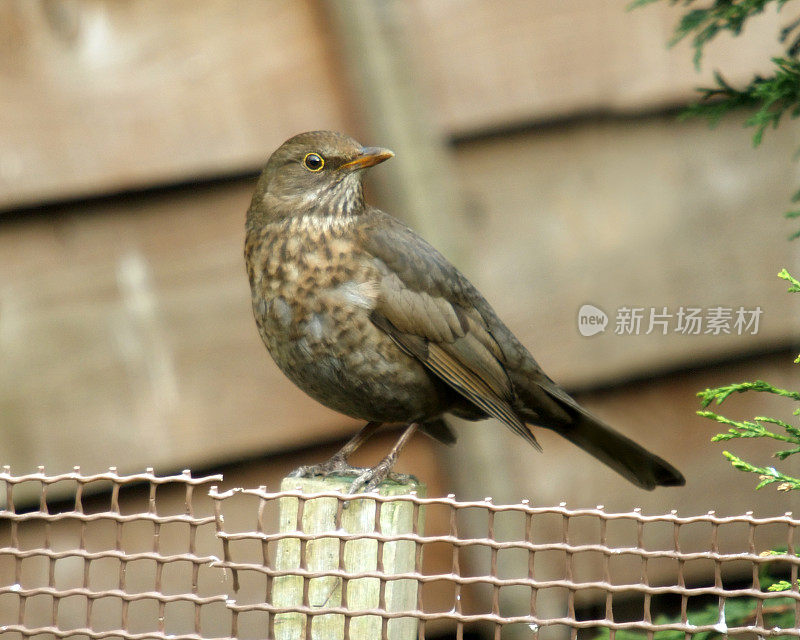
column 576, row 424
column 619, row 452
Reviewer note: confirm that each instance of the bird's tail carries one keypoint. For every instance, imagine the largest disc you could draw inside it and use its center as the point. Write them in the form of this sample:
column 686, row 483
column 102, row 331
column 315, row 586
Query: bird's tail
column 619, row 452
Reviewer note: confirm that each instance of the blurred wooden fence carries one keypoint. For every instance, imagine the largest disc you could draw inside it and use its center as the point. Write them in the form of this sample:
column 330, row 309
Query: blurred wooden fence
column 125, row 326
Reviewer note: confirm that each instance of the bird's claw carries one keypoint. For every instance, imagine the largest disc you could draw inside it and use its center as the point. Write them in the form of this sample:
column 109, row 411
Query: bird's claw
column 364, row 481
column 337, row 465
column 370, row 479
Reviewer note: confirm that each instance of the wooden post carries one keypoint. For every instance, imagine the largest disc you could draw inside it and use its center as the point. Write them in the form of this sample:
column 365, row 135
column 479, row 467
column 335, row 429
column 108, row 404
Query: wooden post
column 319, row 515
column 370, row 34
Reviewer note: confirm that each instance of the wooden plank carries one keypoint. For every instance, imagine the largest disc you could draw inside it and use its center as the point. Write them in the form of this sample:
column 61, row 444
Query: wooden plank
column 660, row 414
column 648, row 214
column 100, row 96
column 128, row 339
column 323, row 515
column 385, row 83
column 126, row 331
column 240, row 513
column 487, row 65
column 490, row 460
column 422, row 458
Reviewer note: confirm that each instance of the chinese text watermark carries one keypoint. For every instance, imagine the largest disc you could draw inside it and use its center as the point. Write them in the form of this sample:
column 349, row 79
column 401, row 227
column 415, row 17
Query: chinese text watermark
column 682, row 320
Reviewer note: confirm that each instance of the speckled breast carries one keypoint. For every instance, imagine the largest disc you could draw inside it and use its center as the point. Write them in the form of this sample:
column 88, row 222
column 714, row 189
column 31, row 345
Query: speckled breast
column 313, row 291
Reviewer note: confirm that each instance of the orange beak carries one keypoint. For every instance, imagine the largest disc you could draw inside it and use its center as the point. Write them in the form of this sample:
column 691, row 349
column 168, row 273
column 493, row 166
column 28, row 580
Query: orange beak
column 369, row 157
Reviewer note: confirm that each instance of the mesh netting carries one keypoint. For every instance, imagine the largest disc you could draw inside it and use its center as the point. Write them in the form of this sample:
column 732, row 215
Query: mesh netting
column 141, row 556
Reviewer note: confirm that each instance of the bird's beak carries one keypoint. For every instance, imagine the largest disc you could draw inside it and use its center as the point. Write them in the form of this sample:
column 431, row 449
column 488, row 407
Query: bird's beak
column 369, row 156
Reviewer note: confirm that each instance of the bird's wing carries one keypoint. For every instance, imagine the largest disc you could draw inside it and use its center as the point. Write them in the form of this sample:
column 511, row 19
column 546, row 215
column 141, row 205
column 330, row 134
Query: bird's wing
column 425, row 305
column 435, row 314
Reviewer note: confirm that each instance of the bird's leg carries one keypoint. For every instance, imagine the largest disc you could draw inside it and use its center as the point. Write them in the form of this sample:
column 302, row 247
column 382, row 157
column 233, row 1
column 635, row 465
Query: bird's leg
column 371, row 478
column 338, row 462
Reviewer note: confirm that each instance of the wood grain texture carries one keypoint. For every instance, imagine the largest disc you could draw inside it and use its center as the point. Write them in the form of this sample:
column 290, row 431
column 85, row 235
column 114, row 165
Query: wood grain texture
column 487, row 65
column 128, row 338
column 100, row 96
column 648, row 214
column 127, row 335
column 320, row 515
column 660, row 415
column 241, row 514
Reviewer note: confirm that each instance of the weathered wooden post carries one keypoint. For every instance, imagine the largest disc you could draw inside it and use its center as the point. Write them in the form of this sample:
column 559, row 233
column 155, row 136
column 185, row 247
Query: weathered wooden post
column 345, row 551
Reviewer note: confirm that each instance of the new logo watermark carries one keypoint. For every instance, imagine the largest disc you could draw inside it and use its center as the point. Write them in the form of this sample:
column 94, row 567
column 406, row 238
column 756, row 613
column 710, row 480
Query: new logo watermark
column 683, row 320
column 591, row 320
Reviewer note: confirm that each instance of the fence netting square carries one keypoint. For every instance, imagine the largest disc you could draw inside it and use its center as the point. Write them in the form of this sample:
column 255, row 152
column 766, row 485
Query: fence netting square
column 174, row 557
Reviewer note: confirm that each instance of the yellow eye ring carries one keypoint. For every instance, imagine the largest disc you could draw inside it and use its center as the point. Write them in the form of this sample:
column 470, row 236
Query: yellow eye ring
column 313, row 162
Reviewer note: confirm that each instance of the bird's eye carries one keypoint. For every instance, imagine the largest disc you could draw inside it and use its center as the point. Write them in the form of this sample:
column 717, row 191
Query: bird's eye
column 313, row 162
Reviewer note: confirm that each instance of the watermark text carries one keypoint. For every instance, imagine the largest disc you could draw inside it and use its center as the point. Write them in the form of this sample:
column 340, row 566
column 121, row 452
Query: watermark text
column 635, row 321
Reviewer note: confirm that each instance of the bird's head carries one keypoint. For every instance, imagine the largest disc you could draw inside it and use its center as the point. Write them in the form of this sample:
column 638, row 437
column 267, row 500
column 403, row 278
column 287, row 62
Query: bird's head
column 316, row 170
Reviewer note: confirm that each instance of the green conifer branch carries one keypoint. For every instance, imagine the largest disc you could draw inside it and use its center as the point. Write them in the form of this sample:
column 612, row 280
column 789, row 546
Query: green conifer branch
column 793, row 282
column 720, row 394
column 780, row 585
column 715, row 18
column 767, row 475
column 757, row 428
column 746, row 429
column 770, row 97
column 789, row 428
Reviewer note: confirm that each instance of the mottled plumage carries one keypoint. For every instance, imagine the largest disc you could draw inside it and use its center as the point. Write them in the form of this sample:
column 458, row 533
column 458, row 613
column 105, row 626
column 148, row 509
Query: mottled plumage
column 370, row 320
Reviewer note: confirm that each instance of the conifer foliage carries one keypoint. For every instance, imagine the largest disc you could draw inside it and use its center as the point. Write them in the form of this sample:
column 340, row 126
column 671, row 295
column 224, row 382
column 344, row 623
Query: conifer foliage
column 767, row 98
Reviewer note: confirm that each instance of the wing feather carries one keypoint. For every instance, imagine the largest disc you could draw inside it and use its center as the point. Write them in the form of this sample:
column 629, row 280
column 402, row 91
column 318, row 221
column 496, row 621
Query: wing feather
column 476, row 390
column 424, row 304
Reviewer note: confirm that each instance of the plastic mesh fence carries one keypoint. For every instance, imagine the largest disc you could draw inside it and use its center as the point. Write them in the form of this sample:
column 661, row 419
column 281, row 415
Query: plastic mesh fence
column 140, row 556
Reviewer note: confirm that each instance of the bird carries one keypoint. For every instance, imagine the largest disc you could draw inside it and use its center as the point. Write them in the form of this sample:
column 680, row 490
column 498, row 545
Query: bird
column 369, row 319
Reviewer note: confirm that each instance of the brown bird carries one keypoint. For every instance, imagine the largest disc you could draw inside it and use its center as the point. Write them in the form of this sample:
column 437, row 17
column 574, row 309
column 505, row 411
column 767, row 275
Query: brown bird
column 369, row 319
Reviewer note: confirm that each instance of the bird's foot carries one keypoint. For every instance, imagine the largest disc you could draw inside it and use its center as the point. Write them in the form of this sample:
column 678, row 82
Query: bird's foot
column 369, row 479
column 336, row 466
